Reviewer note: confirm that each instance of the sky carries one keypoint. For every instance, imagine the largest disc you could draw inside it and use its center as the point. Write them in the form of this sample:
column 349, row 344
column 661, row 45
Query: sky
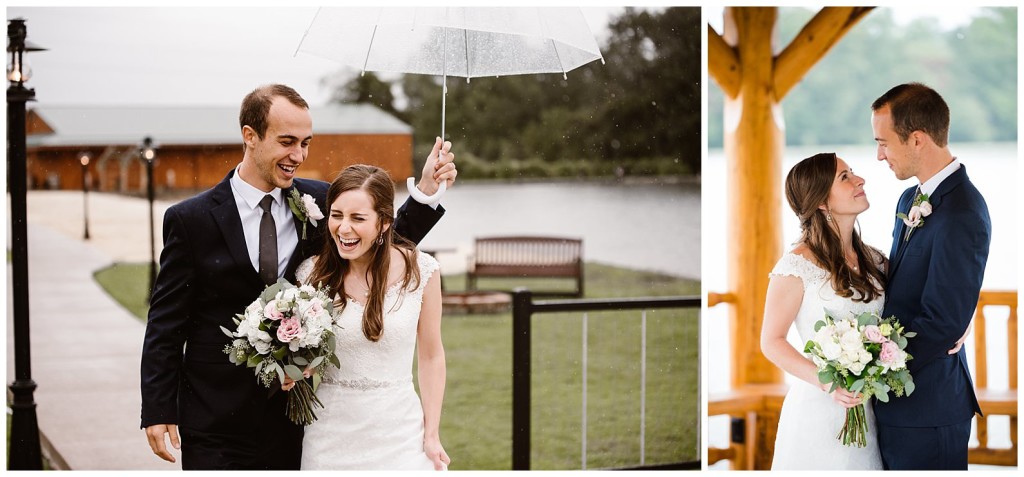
column 212, row 56
column 181, row 56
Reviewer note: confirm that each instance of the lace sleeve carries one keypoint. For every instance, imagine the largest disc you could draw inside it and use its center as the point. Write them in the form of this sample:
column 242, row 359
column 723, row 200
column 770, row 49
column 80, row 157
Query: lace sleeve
column 794, row 265
column 428, row 265
column 304, row 270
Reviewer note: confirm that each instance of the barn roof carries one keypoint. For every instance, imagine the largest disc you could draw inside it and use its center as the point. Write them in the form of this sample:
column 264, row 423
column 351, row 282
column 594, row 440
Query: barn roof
column 189, row 125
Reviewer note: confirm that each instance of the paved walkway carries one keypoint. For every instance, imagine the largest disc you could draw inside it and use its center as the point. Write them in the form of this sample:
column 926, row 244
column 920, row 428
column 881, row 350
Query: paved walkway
column 86, row 348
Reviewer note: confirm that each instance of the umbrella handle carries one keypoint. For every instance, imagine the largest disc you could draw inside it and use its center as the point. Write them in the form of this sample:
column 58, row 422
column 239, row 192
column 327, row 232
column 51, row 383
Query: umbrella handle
column 422, row 198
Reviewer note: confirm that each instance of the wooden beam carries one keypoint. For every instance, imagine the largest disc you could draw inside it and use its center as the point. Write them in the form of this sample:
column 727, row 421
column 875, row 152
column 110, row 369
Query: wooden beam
column 812, row 43
column 723, row 64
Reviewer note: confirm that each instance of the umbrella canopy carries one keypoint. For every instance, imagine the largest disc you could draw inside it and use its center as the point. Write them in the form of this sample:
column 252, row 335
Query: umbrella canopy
column 468, row 42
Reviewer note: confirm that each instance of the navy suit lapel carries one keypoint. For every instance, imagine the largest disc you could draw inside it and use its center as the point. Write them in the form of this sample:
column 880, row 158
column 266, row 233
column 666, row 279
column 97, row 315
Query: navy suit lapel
column 952, row 182
column 899, row 230
column 225, row 214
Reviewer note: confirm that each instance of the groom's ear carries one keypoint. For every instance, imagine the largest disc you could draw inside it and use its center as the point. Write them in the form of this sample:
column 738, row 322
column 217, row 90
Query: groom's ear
column 248, row 136
column 918, row 138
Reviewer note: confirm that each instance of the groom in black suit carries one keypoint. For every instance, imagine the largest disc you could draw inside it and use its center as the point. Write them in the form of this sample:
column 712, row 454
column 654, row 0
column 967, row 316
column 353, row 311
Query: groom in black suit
column 220, row 250
column 935, row 272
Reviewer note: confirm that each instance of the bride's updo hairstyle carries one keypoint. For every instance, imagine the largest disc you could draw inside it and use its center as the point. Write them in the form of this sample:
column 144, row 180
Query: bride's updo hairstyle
column 808, row 185
column 330, row 268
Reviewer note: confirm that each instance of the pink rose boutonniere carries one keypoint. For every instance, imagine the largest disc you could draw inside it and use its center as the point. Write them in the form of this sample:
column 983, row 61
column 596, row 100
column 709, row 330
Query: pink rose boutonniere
column 305, row 209
column 918, row 211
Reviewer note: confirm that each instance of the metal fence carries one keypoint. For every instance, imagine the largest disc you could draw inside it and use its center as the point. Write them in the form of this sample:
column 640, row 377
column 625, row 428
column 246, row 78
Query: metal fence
column 523, row 309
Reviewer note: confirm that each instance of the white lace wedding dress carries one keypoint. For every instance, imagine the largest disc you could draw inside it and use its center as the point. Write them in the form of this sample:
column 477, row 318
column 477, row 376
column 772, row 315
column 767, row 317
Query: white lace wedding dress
column 372, row 418
column 810, row 420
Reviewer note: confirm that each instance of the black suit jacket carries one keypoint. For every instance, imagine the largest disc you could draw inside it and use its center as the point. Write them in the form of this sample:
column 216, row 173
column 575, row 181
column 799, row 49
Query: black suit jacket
column 205, row 279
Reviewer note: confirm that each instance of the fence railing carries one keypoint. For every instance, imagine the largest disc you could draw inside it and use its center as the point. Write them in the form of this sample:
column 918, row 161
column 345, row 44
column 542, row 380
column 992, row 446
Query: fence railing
column 523, row 309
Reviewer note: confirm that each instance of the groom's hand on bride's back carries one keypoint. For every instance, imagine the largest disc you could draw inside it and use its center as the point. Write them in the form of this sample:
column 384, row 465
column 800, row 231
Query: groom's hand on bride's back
column 960, row 342
column 155, row 434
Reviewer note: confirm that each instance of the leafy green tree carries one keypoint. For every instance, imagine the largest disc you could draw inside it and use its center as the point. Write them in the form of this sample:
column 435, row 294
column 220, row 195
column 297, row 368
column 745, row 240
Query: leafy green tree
column 974, row 67
column 641, row 107
column 369, row 89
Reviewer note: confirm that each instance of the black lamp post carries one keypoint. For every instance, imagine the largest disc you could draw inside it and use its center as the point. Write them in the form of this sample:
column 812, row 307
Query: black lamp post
column 84, row 159
column 147, row 151
column 25, row 452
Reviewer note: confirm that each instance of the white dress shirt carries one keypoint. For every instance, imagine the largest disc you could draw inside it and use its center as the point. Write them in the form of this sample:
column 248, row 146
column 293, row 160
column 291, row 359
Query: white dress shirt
column 247, row 199
column 930, row 185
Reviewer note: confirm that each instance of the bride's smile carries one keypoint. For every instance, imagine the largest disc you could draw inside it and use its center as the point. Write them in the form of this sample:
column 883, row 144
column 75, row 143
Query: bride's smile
column 354, row 224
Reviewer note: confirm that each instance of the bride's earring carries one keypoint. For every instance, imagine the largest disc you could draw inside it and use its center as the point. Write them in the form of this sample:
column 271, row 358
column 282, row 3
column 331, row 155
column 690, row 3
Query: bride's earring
column 828, row 216
column 380, row 239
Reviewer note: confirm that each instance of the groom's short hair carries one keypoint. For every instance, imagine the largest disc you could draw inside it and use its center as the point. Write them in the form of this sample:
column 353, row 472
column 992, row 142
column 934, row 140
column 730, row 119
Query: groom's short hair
column 256, row 106
column 916, row 107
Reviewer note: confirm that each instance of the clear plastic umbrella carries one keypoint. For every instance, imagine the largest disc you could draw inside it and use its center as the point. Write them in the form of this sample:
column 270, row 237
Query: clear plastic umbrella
column 468, row 42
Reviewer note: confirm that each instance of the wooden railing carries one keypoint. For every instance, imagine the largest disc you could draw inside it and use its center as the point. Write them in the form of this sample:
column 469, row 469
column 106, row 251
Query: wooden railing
column 754, row 408
column 995, row 402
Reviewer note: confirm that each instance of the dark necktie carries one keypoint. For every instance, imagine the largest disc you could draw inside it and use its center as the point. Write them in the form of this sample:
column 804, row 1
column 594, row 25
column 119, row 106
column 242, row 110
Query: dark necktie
column 268, row 243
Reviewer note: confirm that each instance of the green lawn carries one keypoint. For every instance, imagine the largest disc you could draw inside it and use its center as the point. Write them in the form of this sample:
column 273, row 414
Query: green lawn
column 476, row 426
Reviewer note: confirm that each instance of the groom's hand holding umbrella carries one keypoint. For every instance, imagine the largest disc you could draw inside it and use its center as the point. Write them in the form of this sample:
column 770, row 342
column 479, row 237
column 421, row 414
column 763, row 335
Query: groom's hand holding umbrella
column 439, row 167
column 438, row 174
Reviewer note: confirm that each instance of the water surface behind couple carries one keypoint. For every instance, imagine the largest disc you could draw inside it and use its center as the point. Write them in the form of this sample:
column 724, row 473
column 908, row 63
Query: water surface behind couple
column 647, row 226
column 991, row 167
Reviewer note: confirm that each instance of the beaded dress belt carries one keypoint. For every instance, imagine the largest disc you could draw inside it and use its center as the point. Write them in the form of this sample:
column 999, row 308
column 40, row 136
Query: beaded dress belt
column 365, row 384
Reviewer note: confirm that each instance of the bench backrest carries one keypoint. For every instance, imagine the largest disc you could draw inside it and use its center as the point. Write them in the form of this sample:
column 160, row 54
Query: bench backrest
column 528, row 256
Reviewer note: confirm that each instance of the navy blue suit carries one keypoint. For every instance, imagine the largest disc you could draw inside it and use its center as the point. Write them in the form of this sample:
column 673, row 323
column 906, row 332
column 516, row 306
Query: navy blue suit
column 226, row 419
column 934, row 282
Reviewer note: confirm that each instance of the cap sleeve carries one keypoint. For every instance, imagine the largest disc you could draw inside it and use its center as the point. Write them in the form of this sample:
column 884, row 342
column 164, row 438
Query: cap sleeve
column 793, row 265
column 428, row 265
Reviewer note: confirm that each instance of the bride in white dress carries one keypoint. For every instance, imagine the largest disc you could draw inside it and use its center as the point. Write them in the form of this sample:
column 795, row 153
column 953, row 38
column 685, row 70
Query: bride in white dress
column 391, row 306
column 830, row 268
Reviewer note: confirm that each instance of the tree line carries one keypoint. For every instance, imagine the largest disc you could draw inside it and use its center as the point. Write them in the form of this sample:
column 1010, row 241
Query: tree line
column 637, row 114
column 973, row 66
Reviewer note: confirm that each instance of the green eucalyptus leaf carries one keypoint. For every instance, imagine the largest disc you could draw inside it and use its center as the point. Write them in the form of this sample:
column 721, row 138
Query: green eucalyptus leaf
column 280, row 353
column 299, row 360
column 253, row 360
column 293, row 372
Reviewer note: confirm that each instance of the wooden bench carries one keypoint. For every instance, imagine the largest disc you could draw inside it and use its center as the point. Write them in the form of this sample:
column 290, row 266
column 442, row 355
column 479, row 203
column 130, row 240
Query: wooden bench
column 528, row 257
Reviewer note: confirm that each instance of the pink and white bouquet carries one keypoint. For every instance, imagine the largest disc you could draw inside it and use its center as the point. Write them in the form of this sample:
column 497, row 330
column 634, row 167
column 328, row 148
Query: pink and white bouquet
column 865, row 354
column 287, row 330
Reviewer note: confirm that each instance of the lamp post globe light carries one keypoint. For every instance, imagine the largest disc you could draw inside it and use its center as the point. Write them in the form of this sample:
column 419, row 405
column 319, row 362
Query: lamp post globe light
column 84, row 159
column 147, row 151
column 25, row 452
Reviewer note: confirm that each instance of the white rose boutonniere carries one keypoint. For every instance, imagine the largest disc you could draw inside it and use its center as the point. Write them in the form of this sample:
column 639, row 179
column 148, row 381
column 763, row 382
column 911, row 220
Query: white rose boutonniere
column 305, row 209
column 920, row 209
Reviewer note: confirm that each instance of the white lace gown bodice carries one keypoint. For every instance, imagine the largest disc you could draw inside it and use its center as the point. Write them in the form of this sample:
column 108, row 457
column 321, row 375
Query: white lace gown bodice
column 810, row 420
column 372, row 418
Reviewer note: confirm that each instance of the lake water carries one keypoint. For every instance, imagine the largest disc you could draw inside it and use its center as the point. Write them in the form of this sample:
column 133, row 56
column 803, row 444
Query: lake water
column 991, row 167
column 644, row 226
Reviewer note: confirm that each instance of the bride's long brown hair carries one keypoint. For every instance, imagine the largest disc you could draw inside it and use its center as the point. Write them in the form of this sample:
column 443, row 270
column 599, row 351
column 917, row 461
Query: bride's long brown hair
column 808, row 185
column 330, row 268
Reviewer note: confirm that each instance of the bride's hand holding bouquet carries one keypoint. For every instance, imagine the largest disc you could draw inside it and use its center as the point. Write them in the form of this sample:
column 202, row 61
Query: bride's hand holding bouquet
column 857, row 359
